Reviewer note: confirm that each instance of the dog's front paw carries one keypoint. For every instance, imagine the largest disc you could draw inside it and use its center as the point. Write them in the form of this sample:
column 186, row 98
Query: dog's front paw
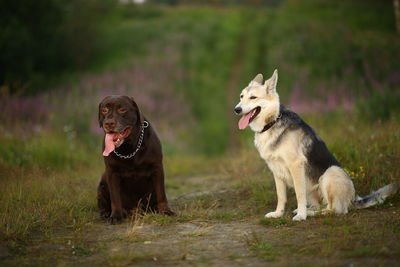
column 274, row 214
column 115, row 219
column 168, row 212
column 117, row 216
column 105, row 215
column 300, row 217
column 164, row 209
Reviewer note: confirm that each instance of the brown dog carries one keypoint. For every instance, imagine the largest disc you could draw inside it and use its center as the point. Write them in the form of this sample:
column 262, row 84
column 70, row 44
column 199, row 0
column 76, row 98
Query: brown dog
column 134, row 175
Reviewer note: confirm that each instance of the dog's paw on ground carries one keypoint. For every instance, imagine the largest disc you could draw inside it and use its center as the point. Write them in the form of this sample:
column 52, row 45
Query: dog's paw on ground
column 300, row 217
column 274, row 214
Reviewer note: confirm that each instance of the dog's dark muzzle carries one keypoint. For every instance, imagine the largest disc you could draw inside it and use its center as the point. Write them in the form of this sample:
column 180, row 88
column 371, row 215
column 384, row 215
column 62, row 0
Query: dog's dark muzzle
column 109, row 125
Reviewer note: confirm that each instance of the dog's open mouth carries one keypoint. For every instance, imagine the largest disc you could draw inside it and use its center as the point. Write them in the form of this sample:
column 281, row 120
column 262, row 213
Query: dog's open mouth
column 114, row 140
column 248, row 117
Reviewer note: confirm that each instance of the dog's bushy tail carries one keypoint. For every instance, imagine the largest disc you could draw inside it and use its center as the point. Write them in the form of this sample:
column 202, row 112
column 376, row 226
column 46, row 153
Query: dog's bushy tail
column 376, row 197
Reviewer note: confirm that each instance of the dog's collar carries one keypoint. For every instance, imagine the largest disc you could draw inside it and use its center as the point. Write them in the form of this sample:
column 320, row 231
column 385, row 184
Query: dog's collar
column 270, row 124
column 140, row 141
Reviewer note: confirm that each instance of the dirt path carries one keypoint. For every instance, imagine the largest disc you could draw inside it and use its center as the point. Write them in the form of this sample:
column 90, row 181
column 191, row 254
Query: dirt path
column 195, row 242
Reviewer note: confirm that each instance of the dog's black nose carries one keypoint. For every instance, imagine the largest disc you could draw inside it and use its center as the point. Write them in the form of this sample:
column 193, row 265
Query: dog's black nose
column 238, row 110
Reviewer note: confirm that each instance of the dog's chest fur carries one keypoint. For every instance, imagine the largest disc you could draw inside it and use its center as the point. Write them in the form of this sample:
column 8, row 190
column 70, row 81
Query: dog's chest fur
column 275, row 155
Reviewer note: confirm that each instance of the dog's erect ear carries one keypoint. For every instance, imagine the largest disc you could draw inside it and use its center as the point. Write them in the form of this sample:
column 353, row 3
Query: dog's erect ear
column 258, row 80
column 139, row 113
column 270, row 84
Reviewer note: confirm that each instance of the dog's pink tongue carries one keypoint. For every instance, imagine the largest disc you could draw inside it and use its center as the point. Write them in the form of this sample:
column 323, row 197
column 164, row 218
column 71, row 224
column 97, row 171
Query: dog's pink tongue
column 244, row 121
column 109, row 144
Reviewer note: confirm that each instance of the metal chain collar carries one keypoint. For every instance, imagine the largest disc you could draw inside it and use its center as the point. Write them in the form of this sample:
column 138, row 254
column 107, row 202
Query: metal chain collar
column 145, row 125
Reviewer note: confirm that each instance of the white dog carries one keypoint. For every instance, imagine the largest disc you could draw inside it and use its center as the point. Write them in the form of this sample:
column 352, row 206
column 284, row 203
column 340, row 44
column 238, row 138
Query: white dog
column 297, row 156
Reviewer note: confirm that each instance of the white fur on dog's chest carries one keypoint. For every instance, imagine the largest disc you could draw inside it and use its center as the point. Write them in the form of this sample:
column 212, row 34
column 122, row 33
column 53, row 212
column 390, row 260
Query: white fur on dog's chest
column 273, row 158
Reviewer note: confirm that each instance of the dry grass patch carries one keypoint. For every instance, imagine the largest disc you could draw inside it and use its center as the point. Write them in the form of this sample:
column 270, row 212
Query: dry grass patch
column 37, row 201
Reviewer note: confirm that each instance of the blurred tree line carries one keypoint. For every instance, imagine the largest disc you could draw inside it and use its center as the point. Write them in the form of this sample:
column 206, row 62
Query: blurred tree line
column 42, row 38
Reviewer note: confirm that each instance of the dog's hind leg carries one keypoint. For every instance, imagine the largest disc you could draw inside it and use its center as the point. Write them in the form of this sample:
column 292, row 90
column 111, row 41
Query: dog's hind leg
column 310, row 212
column 282, row 198
column 337, row 190
column 313, row 200
column 313, row 197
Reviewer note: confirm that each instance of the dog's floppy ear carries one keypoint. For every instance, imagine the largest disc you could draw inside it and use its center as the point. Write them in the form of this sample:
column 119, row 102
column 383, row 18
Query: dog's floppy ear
column 139, row 113
column 99, row 116
column 258, row 80
column 270, row 84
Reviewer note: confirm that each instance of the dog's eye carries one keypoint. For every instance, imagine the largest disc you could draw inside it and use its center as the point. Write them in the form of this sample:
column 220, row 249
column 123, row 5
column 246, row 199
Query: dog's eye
column 253, row 97
column 241, row 96
column 121, row 110
column 104, row 110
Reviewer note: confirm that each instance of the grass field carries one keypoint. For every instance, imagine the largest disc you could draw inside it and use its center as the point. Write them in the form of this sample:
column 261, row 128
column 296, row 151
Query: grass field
column 49, row 215
column 185, row 66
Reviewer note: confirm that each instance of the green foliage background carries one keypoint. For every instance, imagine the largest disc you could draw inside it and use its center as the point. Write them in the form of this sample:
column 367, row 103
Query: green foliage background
column 339, row 49
column 43, row 38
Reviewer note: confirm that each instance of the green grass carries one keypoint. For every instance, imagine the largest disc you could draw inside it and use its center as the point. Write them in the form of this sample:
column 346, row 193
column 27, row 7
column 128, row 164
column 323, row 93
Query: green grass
column 59, row 203
column 50, row 151
column 284, row 221
column 368, row 151
column 263, row 249
column 40, row 191
column 336, row 237
column 39, row 202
